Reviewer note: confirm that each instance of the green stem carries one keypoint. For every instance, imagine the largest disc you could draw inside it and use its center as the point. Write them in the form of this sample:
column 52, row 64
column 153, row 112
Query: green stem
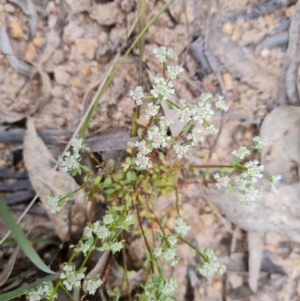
column 67, row 292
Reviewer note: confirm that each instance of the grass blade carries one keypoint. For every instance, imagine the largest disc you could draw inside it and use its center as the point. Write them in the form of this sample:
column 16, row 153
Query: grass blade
column 20, row 237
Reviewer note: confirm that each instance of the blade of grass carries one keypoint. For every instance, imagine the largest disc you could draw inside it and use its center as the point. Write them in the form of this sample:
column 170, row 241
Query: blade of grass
column 116, row 68
column 21, row 291
column 22, row 240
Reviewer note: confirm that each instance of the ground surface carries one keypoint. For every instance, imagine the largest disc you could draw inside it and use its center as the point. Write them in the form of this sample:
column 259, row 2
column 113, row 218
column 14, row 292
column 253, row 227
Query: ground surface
column 73, row 46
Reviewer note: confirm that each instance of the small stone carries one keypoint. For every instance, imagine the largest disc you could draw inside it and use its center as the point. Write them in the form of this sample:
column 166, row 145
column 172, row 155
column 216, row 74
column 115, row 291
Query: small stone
column 86, row 71
column 228, row 81
column 207, row 219
column 38, row 41
column 52, row 19
column 61, row 76
column 269, row 20
column 60, row 121
column 58, row 57
column 102, row 37
column 1, row 8
column 106, row 14
column 86, row 47
column 30, row 54
column 50, row 7
column 75, row 82
column 289, row 11
column 235, row 280
column 188, row 16
column 227, row 28
column 9, row 8
column 265, row 53
column 16, row 29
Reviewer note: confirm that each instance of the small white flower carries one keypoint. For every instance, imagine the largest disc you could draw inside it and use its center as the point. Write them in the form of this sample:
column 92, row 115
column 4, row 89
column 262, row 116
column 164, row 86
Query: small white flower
column 157, row 251
column 180, row 150
column 53, row 203
column 108, row 219
column 152, row 110
column 92, row 285
column 84, row 247
column 196, row 136
column 205, row 97
column 71, row 277
column 169, row 254
column 172, row 239
column 143, row 162
column 101, row 231
column 181, row 227
column 164, row 53
column 162, row 89
column 77, row 145
column 69, row 162
column 164, row 122
column 241, row 153
column 254, row 170
column 143, row 148
column 129, row 219
column 170, row 287
column 211, row 264
column 210, row 130
column 275, row 180
column 184, row 112
column 222, row 181
column 259, row 143
column 221, row 104
column 137, row 95
column 88, row 231
column 158, row 137
column 202, row 112
column 116, row 247
column 174, row 262
column 174, row 71
column 34, row 296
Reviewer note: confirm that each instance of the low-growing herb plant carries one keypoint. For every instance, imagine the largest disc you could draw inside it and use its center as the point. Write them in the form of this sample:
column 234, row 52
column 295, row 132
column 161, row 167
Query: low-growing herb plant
column 153, row 167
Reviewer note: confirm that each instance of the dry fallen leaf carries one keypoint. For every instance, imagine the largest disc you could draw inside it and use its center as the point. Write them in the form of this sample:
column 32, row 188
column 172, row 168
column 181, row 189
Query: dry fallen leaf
column 44, row 178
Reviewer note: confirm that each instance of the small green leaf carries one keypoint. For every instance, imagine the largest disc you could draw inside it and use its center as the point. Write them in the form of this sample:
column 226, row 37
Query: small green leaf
column 169, row 104
column 107, row 182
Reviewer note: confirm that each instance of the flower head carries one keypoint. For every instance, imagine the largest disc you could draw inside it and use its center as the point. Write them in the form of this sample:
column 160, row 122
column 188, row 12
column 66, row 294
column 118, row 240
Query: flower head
column 211, row 264
column 116, row 247
column 275, row 180
column 161, row 88
column 181, row 227
column 137, row 95
column 241, row 153
column 259, row 143
column 197, row 136
column 180, row 150
column 164, row 53
column 92, row 285
column 53, row 203
column 71, row 278
column 151, row 111
column 174, row 71
column 101, row 231
column 221, row 104
column 222, row 181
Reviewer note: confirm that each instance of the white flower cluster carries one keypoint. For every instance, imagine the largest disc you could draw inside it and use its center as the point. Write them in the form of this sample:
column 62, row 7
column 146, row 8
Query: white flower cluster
column 162, row 89
column 181, row 228
column 167, row 250
column 211, row 264
column 164, row 53
column 174, row 71
column 275, row 180
column 106, row 231
column 92, row 285
column 70, row 162
column 241, row 153
column 42, row 292
column 53, row 203
column 157, row 138
column 160, row 290
column 259, row 143
column 71, row 277
column 137, row 95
